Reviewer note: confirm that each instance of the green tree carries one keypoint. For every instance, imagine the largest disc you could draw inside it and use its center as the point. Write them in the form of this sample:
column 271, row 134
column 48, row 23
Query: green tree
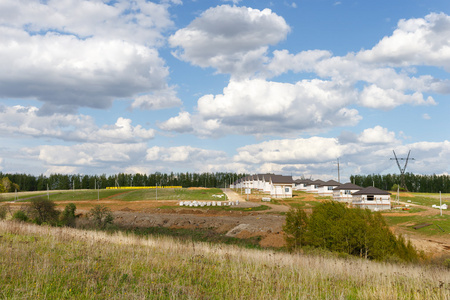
column 44, row 211
column 101, row 215
column 295, row 228
column 68, row 216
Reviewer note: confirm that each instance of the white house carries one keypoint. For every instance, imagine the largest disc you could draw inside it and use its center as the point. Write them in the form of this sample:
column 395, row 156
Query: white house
column 372, row 198
column 281, row 186
column 343, row 193
column 326, row 189
column 313, row 186
column 300, row 184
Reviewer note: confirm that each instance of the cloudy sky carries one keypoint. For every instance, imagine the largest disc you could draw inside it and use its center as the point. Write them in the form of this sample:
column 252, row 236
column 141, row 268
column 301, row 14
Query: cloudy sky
column 290, row 87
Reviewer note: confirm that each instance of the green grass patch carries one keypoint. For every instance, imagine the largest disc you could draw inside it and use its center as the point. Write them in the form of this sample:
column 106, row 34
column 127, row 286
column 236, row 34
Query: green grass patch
column 170, row 194
column 84, row 195
column 121, row 194
column 408, row 221
column 425, row 199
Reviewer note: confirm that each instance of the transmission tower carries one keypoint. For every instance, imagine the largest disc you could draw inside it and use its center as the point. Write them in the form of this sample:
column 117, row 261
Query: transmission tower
column 402, row 170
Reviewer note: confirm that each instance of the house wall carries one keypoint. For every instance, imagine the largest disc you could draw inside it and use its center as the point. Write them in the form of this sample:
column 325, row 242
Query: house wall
column 343, row 195
column 312, row 188
column 325, row 190
column 267, row 187
column 379, row 202
column 281, row 191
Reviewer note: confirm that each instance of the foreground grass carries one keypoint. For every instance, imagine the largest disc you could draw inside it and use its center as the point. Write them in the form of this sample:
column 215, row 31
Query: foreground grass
column 60, row 263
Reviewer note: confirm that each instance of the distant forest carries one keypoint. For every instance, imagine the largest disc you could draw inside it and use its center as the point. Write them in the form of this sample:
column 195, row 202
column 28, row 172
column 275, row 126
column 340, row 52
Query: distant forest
column 414, row 183
column 24, row 182
column 64, row 182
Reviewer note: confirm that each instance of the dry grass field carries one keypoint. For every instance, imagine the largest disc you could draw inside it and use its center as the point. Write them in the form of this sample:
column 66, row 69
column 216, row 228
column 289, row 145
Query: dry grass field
column 60, row 263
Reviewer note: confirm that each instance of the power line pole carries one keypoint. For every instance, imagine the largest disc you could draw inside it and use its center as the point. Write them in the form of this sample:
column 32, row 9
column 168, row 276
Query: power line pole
column 339, row 172
column 402, row 170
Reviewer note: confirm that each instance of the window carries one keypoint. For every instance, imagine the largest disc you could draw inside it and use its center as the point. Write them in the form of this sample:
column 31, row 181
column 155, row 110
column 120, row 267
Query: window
column 330, row 188
column 370, row 197
column 347, row 192
column 286, row 190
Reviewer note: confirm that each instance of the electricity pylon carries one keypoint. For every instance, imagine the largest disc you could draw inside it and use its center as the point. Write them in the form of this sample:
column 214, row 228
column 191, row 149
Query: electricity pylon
column 402, row 170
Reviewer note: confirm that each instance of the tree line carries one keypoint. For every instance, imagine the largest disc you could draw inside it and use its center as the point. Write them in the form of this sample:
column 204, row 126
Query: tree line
column 26, row 182
column 414, row 183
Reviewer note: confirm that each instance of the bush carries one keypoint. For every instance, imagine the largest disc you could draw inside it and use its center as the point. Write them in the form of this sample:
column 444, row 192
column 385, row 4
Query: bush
column 68, row 215
column 44, row 211
column 20, row 215
column 3, row 211
column 101, row 215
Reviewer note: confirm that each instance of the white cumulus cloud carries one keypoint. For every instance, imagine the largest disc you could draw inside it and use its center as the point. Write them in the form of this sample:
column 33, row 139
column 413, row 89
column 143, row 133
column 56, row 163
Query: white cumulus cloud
column 78, row 53
column 26, row 121
column 230, row 39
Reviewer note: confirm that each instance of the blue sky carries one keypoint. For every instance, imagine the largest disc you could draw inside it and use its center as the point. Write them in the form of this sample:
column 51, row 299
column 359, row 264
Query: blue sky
column 288, row 87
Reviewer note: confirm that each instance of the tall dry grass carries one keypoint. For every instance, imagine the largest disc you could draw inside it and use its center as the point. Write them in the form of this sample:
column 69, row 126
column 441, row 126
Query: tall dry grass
column 56, row 263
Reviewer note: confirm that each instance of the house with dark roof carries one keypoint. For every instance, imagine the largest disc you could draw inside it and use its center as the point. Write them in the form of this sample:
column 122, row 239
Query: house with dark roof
column 326, row 189
column 313, row 186
column 300, row 184
column 281, row 186
column 372, row 198
column 343, row 192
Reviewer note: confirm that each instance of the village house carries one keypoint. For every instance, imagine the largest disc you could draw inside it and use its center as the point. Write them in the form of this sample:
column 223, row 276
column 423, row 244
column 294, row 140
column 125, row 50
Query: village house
column 326, row 189
column 313, row 186
column 300, row 184
column 281, row 186
column 372, row 198
column 343, row 193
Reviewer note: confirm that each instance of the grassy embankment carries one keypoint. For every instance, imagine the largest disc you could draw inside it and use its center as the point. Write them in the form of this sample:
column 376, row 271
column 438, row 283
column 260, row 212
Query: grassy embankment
column 60, row 263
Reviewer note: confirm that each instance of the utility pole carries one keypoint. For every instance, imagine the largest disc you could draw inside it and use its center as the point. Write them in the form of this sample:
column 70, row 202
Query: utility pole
column 402, row 170
column 339, row 173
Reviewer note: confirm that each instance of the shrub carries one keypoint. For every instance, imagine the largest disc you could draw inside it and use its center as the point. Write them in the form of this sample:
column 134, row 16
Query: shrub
column 101, row 215
column 44, row 211
column 20, row 215
column 68, row 215
column 3, row 211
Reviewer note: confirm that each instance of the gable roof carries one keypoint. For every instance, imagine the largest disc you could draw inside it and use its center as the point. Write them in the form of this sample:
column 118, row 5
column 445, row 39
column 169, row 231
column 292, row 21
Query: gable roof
column 371, row 191
column 347, row 186
column 281, row 179
column 330, row 183
column 316, row 182
column 305, row 181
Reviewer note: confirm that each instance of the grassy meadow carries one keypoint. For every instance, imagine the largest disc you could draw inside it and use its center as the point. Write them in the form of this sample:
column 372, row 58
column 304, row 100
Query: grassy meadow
column 62, row 263
column 119, row 195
